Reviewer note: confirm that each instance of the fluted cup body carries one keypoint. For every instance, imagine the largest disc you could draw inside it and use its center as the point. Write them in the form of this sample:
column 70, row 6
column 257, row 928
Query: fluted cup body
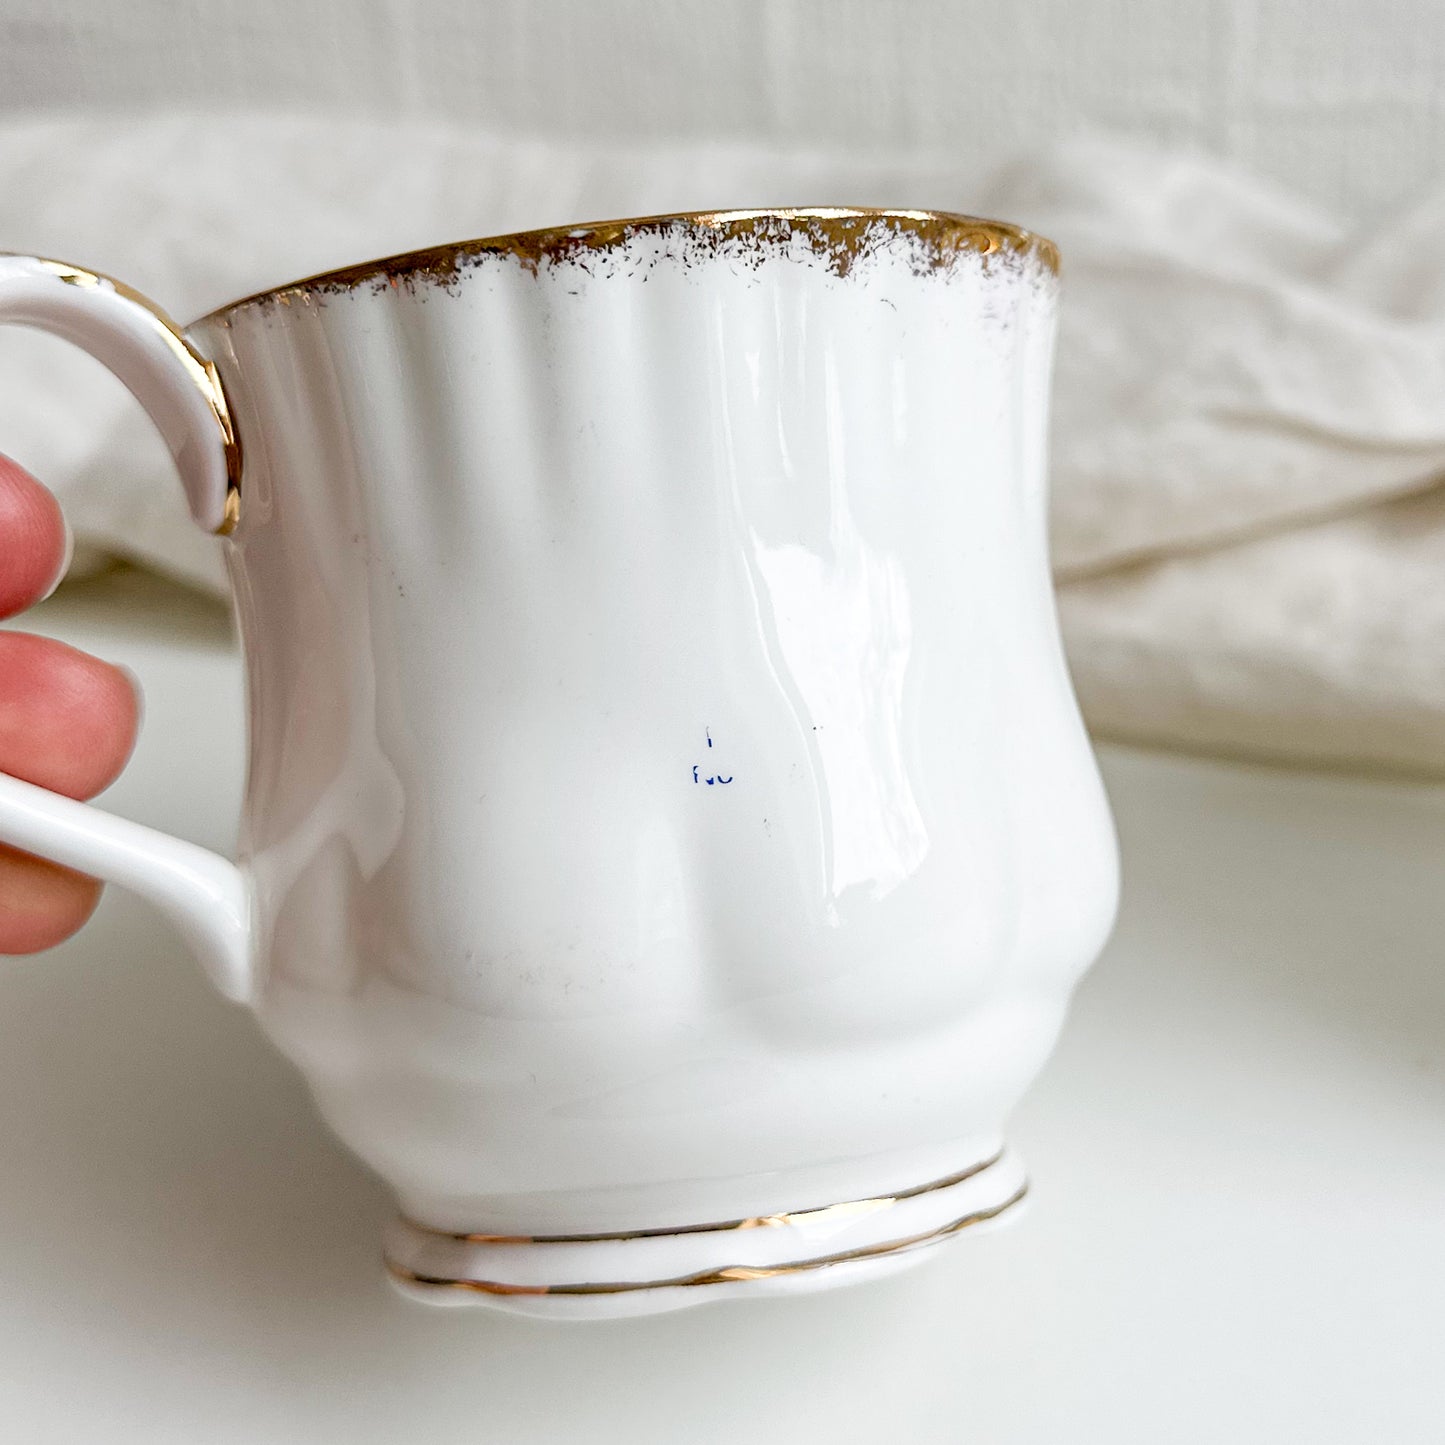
column 667, row 805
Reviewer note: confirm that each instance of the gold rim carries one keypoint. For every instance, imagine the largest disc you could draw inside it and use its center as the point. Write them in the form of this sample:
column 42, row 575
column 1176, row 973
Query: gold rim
column 728, row 1275
column 838, row 234
column 756, row 1221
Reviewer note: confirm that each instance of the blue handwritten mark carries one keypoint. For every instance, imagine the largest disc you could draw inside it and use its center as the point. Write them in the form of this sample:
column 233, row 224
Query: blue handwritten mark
column 717, row 778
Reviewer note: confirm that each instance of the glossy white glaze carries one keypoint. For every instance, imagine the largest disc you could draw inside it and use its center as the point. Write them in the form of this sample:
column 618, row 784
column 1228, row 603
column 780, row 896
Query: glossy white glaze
column 667, row 803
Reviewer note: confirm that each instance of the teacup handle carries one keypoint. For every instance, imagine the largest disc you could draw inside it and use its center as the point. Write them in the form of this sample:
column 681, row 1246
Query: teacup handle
column 204, row 894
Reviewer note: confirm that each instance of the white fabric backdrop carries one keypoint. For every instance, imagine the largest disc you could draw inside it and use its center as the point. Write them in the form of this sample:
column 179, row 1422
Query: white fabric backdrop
column 1342, row 100
column 1250, row 405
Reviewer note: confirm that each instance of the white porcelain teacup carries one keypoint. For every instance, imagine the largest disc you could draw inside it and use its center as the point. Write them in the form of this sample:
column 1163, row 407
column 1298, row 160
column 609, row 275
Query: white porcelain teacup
column 670, row 840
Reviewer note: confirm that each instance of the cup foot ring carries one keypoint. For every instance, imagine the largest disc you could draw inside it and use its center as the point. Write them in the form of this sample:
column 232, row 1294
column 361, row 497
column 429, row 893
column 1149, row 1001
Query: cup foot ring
column 601, row 1276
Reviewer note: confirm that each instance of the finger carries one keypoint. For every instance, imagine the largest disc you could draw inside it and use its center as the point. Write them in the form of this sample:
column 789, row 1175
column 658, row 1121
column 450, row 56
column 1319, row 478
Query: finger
column 37, row 544
column 67, row 720
column 40, row 904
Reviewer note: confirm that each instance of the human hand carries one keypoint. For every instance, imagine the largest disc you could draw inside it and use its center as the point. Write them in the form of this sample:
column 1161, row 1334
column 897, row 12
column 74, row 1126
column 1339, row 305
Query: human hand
column 67, row 720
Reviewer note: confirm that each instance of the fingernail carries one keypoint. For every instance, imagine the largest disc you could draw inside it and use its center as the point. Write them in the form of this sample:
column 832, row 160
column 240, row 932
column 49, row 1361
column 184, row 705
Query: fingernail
column 66, row 553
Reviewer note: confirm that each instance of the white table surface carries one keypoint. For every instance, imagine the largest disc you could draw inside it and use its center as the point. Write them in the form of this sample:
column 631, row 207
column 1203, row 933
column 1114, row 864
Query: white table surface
column 1237, row 1231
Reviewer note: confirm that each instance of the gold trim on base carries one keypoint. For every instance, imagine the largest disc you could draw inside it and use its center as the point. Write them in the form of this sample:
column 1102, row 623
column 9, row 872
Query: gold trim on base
column 757, row 1221
column 731, row 1274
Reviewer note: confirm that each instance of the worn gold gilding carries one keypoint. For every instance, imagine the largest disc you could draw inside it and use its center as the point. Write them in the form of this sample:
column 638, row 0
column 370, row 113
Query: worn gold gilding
column 838, row 236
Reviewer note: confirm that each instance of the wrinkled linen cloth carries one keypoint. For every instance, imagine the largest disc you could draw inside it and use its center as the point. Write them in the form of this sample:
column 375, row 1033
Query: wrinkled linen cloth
column 1249, row 429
